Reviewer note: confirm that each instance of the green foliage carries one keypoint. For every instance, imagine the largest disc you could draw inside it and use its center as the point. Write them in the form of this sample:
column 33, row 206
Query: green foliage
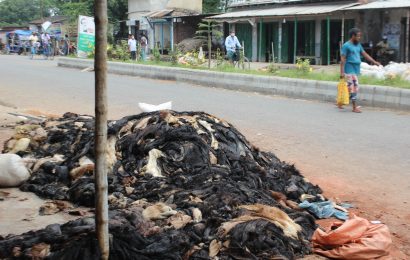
column 73, row 10
column 20, row 12
column 219, row 58
column 118, row 51
column 214, row 6
column 175, row 55
column 272, row 68
column 208, row 29
column 303, row 65
column 156, row 54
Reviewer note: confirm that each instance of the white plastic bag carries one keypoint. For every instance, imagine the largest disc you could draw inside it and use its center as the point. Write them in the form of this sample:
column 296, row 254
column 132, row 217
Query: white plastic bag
column 151, row 108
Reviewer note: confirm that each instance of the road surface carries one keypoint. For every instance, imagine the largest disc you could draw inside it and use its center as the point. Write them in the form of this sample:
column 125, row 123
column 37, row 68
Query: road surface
column 361, row 158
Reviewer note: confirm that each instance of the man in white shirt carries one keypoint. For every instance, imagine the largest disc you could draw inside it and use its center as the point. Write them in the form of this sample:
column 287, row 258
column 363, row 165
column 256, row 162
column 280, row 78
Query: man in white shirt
column 132, row 46
column 231, row 43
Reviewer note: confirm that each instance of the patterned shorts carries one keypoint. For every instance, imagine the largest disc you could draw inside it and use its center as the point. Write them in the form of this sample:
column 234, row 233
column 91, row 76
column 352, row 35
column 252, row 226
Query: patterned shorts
column 353, row 85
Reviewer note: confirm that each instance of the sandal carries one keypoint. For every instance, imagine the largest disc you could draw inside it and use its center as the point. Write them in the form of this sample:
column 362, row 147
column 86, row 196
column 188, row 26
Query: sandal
column 357, row 110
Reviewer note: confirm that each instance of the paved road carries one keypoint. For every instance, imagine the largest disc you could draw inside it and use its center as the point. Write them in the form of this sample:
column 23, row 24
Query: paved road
column 364, row 158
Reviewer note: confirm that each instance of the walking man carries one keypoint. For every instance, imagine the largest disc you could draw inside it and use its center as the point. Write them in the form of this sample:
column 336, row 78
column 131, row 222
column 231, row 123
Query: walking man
column 144, row 46
column 132, row 46
column 350, row 65
column 66, row 45
column 231, row 43
column 45, row 40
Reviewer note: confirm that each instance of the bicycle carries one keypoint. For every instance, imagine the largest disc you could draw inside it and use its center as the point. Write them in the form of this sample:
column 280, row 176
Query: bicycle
column 240, row 59
column 34, row 50
column 48, row 51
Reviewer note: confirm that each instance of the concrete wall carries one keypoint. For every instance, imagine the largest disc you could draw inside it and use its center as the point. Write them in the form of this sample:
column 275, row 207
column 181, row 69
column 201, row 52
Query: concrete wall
column 138, row 7
column 370, row 96
column 193, row 5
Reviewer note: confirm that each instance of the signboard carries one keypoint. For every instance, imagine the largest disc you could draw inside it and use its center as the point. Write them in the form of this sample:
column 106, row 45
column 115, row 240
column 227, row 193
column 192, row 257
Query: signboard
column 45, row 25
column 55, row 30
column 86, row 36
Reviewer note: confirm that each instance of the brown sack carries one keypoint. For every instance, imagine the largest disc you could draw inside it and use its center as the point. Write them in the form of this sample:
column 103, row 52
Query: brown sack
column 357, row 238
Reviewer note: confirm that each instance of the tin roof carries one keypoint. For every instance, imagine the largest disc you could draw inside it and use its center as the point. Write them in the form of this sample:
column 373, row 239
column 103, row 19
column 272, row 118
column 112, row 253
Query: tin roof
column 235, row 3
column 383, row 4
column 293, row 10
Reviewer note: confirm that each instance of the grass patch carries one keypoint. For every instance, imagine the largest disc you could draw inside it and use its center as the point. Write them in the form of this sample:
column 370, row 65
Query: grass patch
column 288, row 73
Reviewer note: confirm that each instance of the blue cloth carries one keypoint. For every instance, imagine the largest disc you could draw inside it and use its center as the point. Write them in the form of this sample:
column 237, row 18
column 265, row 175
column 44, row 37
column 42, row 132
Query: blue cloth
column 352, row 53
column 231, row 43
column 323, row 209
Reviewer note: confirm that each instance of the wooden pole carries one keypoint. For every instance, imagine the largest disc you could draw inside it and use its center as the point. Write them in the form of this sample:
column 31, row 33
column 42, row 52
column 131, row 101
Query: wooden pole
column 328, row 39
column 260, row 40
column 407, row 35
column 209, row 44
column 280, row 42
column 101, row 183
column 295, row 44
column 273, row 54
column 243, row 48
column 343, row 29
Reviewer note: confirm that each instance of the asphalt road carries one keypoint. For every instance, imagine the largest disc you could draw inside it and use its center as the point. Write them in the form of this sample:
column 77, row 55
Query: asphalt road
column 363, row 158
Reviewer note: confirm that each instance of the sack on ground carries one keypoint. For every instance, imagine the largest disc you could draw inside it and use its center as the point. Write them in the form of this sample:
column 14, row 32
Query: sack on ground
column 357, row 238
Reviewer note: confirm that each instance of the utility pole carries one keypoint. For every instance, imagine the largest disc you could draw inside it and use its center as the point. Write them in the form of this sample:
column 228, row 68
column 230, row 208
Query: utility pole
column 41, row 10
column 101, row 183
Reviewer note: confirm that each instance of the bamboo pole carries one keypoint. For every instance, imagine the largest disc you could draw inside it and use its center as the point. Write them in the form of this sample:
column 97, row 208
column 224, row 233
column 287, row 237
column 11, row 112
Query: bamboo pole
column 343, row 29
column 209, row 44
column 407, row 35
column 328, row 39
column 100, row 65
column 295, row 44
column 280, row 43
column 273, row 54
column 260, row 40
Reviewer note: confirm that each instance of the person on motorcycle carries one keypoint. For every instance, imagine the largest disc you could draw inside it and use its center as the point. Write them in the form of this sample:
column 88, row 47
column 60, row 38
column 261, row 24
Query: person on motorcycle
column 231, row 43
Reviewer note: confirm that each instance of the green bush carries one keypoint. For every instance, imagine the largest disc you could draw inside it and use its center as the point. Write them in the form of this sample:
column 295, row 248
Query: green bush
column 175, row 54
column 156, row 54
column 303, row 65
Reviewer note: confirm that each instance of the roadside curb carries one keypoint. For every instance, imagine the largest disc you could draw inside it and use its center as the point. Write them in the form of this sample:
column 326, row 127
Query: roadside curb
column 370, row 96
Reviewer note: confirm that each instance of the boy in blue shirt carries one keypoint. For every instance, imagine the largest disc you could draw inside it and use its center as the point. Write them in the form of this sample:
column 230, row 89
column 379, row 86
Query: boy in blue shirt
column 350, row 65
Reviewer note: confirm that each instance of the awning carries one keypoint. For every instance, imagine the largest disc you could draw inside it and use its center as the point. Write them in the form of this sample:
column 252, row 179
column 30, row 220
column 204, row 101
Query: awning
column 284, row 11
column 385, row 4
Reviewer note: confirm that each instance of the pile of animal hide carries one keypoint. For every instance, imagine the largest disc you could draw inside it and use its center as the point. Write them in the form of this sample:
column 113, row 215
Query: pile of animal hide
column 181, row 186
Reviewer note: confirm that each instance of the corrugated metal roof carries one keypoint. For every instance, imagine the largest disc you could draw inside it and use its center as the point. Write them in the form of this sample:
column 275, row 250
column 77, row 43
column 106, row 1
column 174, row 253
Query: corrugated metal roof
column 294, row 10
column 159, row 14
column 235, row 3
column 384, row 4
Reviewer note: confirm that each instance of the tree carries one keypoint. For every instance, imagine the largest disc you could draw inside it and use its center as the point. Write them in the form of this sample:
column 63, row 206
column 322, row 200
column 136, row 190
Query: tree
column 207, row 30
column 215, row 6
column 20, row 12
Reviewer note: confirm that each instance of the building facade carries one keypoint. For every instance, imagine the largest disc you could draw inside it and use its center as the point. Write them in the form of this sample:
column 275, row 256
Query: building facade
column 285, row 30
column 163, row 21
